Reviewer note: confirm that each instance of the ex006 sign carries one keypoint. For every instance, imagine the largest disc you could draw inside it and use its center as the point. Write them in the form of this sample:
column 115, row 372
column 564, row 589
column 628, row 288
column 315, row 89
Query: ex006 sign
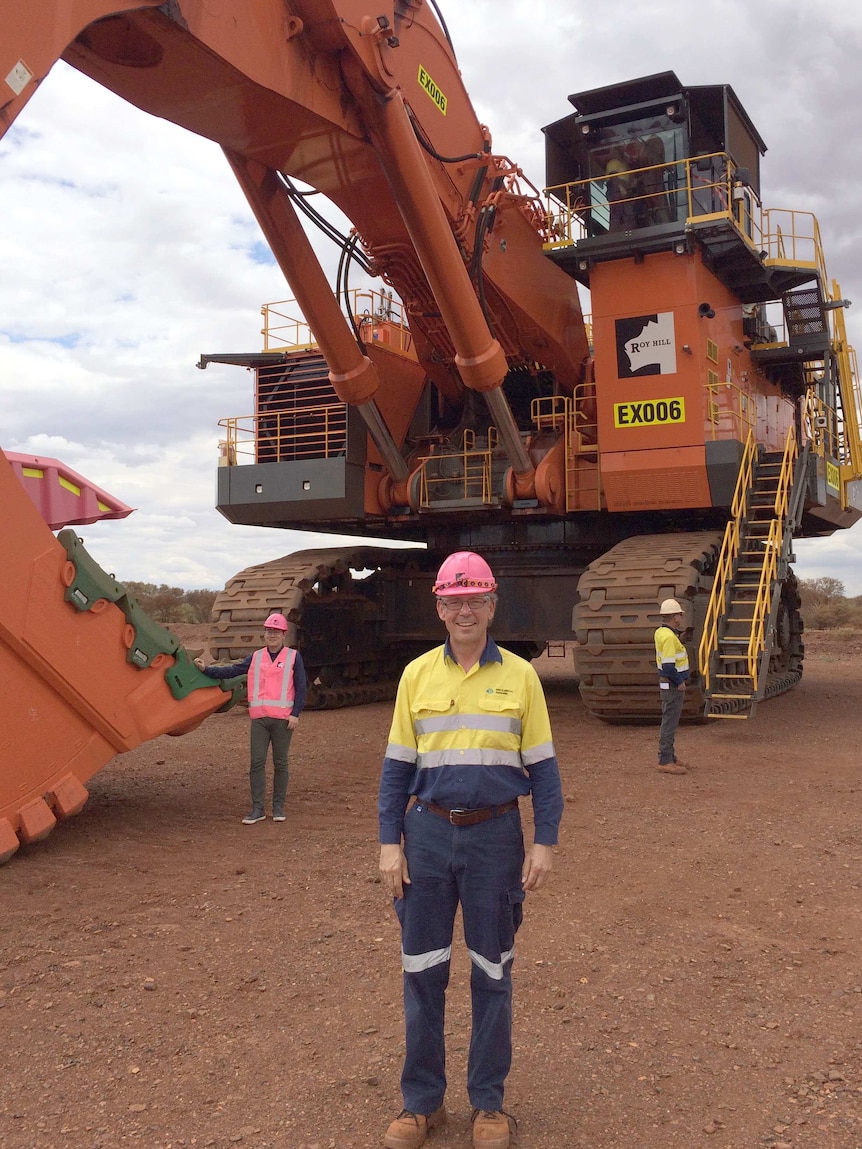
column 649, row 413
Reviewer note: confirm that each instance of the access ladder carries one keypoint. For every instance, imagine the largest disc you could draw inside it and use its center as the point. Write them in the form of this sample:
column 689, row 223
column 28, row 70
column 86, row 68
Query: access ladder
column 740, row 626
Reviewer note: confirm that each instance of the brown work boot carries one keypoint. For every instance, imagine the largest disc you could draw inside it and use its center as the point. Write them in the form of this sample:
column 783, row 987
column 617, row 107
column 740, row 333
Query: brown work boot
column 672, row 768
column 409, row 1130
column 492, row 1130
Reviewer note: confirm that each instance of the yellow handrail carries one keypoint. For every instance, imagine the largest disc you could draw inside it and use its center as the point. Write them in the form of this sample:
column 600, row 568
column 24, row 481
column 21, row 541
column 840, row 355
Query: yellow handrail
column 728, row 403
column 583, row 486
column 763, row 602
column 729, row 554
column 375, row 313
column 851, row 396
column 311, row 433
column 726, row 559
column 769, row 572
column 472, row 470
column 696, row 189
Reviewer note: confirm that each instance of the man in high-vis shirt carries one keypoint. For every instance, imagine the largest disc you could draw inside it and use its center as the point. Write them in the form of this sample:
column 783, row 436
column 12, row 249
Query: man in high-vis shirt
column 276, row 695
column 470, row 736
column 672, row 661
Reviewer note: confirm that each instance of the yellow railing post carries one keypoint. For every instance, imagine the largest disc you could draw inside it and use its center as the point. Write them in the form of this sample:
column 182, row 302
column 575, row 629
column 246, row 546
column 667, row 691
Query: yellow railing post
column 726, row 559
column 851, row 393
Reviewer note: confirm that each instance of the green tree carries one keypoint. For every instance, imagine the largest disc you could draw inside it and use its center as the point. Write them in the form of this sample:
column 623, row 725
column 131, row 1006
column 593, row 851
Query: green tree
column 166, row 604
column 143, row 592
column 824, row 606
column 820, row 591
column 200, row 604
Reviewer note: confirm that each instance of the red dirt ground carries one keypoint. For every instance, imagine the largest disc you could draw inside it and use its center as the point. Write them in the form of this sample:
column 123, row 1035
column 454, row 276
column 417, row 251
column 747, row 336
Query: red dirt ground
column 692, row 975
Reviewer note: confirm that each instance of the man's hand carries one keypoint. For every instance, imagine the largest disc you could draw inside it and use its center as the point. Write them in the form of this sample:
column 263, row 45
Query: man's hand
column 393, row 867
column 537, row 865
column 681, row 687
column 292, row 721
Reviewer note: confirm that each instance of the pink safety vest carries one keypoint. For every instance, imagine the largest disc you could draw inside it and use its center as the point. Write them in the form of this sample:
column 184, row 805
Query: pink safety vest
column 270, row 684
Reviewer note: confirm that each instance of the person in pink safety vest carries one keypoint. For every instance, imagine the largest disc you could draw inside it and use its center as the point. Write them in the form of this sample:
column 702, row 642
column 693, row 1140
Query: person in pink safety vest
column 276, row 695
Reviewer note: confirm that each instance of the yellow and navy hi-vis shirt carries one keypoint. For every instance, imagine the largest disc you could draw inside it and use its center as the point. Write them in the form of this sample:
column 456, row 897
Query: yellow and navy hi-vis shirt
column 671, row 657
column 468, row 740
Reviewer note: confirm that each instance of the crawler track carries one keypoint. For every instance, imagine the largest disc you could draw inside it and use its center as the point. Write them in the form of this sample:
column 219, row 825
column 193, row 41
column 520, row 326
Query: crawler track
column 339, row 623
column 336, row 621
column 616, row 617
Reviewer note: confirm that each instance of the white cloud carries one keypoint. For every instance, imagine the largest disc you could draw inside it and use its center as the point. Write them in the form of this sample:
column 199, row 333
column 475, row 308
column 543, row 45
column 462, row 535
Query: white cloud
column 128, row 249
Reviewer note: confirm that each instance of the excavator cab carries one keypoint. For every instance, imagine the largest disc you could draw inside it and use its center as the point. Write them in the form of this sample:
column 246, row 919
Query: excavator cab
column 645, row 156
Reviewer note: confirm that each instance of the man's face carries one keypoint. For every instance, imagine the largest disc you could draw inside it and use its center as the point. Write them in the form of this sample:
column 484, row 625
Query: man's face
column 468, row 616
column 273, row 637
column 674, row 621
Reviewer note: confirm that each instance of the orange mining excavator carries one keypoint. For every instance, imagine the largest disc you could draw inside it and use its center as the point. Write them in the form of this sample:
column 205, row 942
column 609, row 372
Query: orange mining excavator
column 674, row 446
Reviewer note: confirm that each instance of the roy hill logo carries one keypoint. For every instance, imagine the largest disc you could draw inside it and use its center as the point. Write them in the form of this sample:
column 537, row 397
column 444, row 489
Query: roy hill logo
column 646, row 345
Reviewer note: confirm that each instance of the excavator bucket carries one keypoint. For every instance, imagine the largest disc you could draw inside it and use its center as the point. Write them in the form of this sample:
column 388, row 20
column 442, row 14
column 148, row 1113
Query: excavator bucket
column 62, row 496
column 86, row 675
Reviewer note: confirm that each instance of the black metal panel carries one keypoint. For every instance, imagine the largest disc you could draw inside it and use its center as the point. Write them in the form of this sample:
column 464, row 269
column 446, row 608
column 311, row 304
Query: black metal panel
column 723, row 457
column 659, row 86
column 306, row 491
column 534, row 604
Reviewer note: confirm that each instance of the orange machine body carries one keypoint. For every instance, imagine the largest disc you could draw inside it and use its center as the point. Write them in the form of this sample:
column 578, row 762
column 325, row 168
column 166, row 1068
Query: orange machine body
column 673, row 373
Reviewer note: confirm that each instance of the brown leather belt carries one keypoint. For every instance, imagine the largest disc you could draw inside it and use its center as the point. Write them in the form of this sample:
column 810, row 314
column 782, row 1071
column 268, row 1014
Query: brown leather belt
column 469, row 817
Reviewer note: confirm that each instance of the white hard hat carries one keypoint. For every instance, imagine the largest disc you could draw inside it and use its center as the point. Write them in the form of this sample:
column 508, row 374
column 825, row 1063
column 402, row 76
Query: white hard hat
column 670, row 606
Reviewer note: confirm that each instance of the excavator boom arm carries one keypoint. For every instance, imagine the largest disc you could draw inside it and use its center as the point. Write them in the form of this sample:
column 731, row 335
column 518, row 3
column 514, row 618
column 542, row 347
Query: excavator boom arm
column 367, row 106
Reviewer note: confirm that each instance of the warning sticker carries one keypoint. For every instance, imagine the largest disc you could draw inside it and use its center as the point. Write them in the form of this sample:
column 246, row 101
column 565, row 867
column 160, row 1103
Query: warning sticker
column 19, row 77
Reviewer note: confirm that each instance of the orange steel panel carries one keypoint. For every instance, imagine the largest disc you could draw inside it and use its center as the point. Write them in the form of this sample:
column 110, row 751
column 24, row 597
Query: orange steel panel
column 664, row 291
column 34, row 37
column 674, row 477
column 402, row 381
column 71, row 700
column 653, row 348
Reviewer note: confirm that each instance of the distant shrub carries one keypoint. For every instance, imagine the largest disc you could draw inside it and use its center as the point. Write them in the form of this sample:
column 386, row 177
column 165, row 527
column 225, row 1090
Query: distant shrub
column 825, row 607
column 167, row 604
column 829, row 616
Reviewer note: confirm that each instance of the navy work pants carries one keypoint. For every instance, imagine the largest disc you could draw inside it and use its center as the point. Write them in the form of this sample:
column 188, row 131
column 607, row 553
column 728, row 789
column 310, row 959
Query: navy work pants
column 266, row 731
column 480, row 867
column 671, row 711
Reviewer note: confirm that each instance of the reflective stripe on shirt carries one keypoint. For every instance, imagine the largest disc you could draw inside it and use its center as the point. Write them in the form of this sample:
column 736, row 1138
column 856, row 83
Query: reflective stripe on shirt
column 504, row 724
column 453, row 756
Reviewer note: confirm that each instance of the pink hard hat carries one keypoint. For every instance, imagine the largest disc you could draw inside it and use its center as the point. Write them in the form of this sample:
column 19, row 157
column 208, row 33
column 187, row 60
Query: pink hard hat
column 464, row 573
column 275, row 622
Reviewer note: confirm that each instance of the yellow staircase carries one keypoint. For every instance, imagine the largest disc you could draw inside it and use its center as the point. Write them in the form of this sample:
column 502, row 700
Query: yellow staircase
column 740, row 621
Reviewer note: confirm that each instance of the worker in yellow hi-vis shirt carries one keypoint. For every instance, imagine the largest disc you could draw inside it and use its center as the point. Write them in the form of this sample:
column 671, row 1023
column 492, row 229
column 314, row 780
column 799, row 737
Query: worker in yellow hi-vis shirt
column 672, row 661
column 470, row 736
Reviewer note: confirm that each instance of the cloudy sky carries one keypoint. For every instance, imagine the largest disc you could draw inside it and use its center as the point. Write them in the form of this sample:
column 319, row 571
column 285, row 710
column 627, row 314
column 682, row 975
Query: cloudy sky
column 128, row 249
